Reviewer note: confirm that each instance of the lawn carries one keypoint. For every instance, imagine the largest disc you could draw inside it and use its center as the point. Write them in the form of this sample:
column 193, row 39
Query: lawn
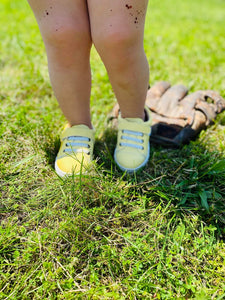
column 157, row 235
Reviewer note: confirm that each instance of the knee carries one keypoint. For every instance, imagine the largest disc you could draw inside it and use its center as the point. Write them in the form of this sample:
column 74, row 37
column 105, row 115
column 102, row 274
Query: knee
column 117, row 43
column 66, row 36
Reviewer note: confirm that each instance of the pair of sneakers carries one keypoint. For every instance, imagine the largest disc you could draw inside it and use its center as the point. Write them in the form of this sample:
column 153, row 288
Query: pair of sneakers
column 131, row 154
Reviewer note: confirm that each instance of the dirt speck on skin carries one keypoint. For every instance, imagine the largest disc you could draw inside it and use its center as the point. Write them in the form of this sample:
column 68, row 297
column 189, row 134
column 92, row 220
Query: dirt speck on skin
column 47, row 11
column 128, row 6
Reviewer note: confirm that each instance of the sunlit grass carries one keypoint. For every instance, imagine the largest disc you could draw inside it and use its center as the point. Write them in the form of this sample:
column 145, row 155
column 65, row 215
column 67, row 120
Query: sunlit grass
column 157, row 235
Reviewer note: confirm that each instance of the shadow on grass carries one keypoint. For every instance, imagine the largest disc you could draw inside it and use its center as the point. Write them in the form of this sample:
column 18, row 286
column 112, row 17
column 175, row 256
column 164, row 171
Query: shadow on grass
column 51, row 149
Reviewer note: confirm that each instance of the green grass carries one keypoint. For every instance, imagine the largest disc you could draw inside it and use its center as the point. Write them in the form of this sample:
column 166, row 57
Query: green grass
column 159, row 235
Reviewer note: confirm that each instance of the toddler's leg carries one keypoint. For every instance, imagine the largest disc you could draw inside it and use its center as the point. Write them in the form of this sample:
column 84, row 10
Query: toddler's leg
column 65, row 29
column 117, row 29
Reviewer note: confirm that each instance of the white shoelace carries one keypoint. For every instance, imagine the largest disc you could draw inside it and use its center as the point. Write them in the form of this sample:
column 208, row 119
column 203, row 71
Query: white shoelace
column 77, row 144
column 132, row 137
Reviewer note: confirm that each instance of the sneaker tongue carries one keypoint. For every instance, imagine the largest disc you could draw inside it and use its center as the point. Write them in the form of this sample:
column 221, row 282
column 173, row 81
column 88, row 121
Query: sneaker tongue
column 135, row 120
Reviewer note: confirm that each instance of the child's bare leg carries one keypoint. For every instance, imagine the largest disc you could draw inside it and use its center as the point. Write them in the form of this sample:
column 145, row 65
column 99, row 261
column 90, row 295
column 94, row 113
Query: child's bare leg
column 117, row 29
column 65, row 29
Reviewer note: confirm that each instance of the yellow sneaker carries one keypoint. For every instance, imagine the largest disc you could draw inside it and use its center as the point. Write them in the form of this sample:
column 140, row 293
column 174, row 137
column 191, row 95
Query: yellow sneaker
column 76, row 150
column 133, row 147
